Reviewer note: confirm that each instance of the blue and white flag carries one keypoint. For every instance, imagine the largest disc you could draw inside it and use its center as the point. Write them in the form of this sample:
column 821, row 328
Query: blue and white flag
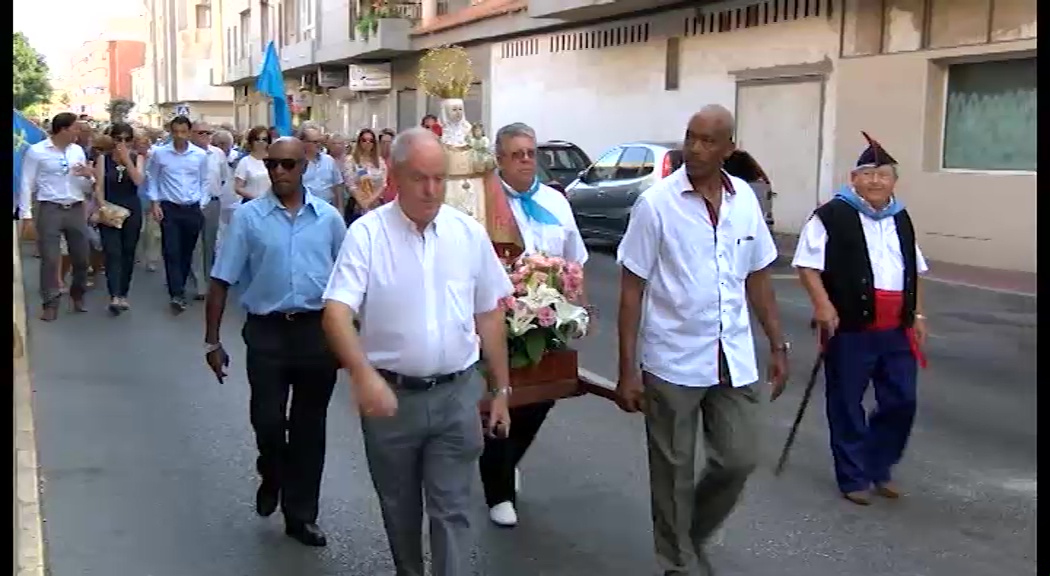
column 25, row 135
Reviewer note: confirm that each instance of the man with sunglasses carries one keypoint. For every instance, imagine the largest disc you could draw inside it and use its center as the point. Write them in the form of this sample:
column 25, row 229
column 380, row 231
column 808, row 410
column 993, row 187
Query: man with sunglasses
column 279, row 250
column 218, row 176
column 57, row 175
column 177, row 178
column 323, row 178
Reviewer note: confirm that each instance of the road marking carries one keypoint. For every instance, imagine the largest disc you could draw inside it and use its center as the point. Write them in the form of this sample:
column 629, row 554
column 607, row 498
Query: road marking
column 29, row 535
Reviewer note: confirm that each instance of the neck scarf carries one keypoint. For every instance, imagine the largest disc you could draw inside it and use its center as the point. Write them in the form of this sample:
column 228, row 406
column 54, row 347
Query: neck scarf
column 848, row 195
column 532, row 209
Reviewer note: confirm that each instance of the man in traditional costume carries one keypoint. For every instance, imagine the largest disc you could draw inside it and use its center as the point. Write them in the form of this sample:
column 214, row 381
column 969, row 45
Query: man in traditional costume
column 859, row 262
column 541, row 222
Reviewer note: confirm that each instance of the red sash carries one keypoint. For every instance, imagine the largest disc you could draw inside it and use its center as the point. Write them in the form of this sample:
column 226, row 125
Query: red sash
column 888, row 307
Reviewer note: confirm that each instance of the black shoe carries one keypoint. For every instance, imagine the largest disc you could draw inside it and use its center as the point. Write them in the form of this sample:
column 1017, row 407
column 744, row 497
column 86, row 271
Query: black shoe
column 266, row 499
column 307, row 533
column 178, row 305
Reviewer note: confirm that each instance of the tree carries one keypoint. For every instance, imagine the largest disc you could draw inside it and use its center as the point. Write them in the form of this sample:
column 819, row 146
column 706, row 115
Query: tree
column 29, row 83
column 119, row 108
column 64, row 99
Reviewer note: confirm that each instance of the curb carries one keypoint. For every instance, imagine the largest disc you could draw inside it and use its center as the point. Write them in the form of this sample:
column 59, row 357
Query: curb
column 28, row 534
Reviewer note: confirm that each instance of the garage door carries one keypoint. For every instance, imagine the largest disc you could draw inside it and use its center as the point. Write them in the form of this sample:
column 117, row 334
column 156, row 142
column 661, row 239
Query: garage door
column 779, row 124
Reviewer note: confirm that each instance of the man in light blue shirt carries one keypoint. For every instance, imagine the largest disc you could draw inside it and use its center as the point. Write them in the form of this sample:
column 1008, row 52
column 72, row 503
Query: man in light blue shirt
column 323, row 178
column 177, row 186
column 278, row 251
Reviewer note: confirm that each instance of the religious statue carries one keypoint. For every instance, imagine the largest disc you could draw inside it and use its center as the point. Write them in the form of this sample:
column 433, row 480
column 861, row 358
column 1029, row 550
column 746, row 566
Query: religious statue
column 472, row 185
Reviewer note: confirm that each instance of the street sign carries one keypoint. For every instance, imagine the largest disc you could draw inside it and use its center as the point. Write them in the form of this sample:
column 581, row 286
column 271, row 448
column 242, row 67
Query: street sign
column 182, row 109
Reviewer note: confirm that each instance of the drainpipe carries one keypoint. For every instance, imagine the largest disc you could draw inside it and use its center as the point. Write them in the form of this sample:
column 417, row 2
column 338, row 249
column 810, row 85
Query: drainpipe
column 428, row 11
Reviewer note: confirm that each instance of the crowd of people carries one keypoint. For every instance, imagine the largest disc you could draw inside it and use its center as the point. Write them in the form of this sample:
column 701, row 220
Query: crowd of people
column 306, row 230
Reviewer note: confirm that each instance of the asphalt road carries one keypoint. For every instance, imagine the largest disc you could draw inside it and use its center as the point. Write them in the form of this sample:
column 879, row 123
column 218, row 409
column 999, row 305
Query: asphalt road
column 148, row 465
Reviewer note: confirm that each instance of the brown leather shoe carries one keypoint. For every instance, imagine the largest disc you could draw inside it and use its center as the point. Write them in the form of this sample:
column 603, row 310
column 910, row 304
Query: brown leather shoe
column 49, row 313
column 860, row 497
column 888, row 490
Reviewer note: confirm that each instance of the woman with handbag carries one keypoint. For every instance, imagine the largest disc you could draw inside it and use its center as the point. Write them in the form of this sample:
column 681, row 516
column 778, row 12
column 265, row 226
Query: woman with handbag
column 118, row 175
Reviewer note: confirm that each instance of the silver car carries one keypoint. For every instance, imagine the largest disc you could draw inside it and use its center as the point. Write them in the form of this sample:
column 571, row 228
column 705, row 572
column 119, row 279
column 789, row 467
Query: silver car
column 603, row 195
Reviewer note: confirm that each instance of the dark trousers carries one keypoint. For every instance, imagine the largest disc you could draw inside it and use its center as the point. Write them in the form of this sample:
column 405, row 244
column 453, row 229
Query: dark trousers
column 865, row 447
column 290, row 356
column 502, row 455
column 118, row 246
column 53, row 221
column 178, row 237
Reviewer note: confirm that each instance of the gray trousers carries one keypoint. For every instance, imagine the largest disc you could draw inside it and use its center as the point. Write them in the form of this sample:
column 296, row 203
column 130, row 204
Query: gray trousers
column 687, row 510
column 54, row 220
column 204, row 253
column 428, row 452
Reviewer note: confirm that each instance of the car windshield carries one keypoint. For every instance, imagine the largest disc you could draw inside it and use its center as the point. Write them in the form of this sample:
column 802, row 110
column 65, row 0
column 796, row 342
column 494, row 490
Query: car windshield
column 563, row 159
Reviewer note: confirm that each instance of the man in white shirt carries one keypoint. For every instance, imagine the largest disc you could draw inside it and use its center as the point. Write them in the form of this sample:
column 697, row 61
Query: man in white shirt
column 859, row 262
column 228, row 198
column 546, row 224
column 696, row 252
column 57, row 175
column 425, row 283
column 218, row 176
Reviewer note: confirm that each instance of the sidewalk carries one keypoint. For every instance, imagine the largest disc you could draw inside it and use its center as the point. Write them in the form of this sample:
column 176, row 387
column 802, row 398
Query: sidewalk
column 960, row 274
column 28, row 537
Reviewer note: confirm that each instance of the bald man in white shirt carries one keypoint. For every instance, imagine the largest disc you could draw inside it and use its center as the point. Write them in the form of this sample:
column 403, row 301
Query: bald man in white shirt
column 697, row 251
column 425, row 283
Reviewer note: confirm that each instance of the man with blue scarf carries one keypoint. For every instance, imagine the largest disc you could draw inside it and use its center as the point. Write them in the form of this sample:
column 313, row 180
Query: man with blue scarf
column 546, row 224
column 859, row 262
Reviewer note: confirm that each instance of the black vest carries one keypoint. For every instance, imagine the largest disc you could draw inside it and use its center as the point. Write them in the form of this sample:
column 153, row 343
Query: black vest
column 847, row 274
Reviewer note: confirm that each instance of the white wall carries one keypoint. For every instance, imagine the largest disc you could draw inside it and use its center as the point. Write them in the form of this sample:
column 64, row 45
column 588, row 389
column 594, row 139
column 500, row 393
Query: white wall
column 600, row 97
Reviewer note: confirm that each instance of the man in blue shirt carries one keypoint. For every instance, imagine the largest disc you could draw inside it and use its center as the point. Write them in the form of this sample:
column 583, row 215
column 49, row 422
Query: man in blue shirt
column 177, row 186
column 322, row 178
column 278, row 252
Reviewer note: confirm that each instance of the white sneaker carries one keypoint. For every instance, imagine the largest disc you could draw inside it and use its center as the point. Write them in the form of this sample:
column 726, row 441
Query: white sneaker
column 503, row 514
column 517, row 480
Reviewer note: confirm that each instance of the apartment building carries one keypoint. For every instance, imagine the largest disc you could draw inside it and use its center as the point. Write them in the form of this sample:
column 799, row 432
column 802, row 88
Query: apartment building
column 100, row 73
column 179, row 74
column 925, row 77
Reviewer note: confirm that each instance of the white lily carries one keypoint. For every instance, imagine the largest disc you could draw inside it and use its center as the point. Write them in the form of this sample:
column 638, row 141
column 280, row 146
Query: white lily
column 520, row 321
column 568, row 313
column 541, row 296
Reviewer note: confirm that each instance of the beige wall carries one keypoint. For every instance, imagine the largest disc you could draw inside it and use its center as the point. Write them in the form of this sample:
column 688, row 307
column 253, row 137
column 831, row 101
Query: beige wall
column 978, row 218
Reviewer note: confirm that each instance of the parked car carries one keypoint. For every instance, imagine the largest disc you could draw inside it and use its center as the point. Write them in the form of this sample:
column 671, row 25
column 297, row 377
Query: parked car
column 562, row 160
column 603, row 195
column 544, row 176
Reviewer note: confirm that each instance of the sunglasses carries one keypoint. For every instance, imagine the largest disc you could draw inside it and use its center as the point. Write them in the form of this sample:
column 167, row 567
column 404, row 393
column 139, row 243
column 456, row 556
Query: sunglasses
column 286, row 163
column 204, row 132
column 529, row 153
column 368, row 140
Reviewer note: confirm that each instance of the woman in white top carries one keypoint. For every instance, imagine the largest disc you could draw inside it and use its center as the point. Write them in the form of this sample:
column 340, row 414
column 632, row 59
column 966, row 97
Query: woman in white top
column 251, row 179
column 365, row 164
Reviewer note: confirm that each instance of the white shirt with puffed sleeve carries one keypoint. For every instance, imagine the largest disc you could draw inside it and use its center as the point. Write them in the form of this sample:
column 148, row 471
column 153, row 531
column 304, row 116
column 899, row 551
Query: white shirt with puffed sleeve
column 417, row 293
column 695, row 276
column 882, row 241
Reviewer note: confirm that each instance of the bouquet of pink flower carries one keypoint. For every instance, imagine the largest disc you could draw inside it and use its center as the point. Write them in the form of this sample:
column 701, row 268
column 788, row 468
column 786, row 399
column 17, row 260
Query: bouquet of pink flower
column 543, row 313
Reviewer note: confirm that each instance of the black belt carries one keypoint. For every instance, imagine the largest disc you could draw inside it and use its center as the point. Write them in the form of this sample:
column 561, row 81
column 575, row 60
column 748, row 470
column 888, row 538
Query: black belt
column 419, row 383
column 63, row 206
column 289, row 316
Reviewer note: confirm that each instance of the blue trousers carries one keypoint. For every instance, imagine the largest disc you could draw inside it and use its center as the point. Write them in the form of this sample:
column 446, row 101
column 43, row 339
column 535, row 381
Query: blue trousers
column 865, row 447
column 178, row 237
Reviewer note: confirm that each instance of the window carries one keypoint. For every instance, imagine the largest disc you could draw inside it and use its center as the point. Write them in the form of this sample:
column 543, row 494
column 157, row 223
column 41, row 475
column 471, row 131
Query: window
column 246, row 23
column 605, row 168
column 306, row 19
column 990, row 116
column 671, row 64
column 203, row 16
column 636, row 162
column 264, row 22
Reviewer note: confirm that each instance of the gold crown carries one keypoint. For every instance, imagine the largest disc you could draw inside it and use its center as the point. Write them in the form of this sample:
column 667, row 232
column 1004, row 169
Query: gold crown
column 446, row 72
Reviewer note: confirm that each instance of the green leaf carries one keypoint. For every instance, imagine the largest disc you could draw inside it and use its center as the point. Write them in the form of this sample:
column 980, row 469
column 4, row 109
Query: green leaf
column 535, row 345
column 519, row 360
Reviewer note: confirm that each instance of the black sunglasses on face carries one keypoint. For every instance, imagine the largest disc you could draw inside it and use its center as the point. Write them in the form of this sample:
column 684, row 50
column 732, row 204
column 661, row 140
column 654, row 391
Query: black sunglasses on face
column 286, row 163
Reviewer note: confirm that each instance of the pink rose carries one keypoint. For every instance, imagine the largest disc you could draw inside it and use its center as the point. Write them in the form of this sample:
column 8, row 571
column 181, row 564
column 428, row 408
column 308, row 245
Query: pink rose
column 519, row 288
column 546, row 317
column 516, row 278
column 507, row 303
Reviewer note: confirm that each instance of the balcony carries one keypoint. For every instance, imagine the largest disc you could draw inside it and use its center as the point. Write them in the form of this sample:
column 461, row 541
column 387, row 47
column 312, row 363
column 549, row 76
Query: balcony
column 385, row 39
column 298, row 54
column 239, row 71
column 575, row 10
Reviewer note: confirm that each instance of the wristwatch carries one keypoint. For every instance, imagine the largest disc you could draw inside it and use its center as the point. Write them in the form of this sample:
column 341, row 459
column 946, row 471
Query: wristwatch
column 502, row 391
column 785, row 348
column 920, row 316
column 209, row 348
